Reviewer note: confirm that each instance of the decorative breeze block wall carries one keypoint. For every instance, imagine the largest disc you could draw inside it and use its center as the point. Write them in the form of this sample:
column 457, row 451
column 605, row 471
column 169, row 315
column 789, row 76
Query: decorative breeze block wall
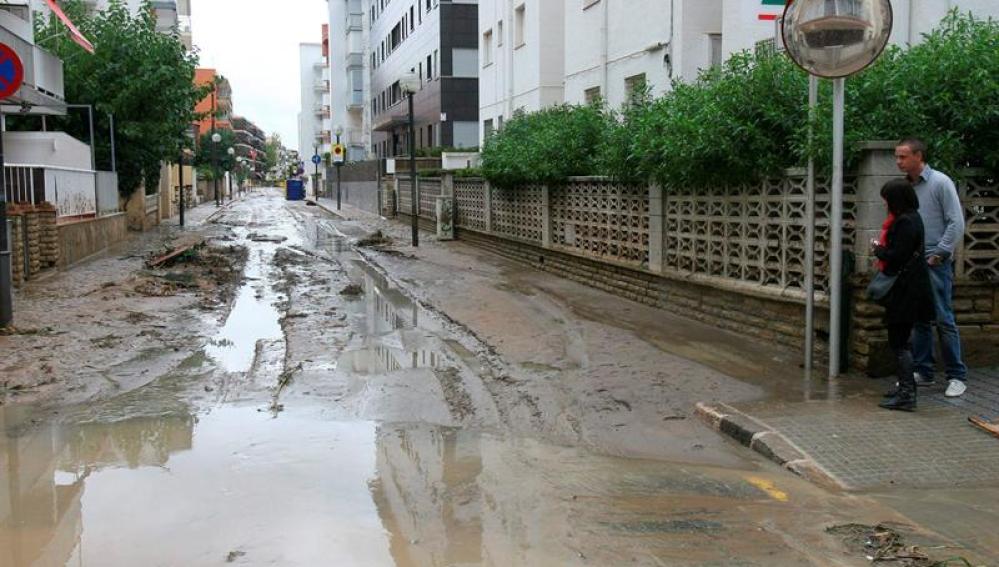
column 602, row 219
column 470, row 201
column 518, row 213
column 753, row 233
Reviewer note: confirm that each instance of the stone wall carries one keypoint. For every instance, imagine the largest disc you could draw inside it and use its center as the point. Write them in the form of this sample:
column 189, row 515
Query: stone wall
column 86, row 238
column 34, row 240
column 731, row 257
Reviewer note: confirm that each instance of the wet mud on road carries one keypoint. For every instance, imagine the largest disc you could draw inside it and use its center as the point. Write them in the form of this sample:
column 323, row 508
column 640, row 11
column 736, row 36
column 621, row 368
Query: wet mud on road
column 331, row 418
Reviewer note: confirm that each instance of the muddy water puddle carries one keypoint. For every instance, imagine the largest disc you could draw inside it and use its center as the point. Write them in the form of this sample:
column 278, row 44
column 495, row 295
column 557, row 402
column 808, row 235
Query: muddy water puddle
column 253, row 317
column 237, row 484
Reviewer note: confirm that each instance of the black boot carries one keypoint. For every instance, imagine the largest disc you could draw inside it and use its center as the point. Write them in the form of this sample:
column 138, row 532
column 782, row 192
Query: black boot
column 905, row 396
column 892, row 392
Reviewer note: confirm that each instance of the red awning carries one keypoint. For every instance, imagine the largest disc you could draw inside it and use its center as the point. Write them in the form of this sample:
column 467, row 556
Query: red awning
column 73, row 32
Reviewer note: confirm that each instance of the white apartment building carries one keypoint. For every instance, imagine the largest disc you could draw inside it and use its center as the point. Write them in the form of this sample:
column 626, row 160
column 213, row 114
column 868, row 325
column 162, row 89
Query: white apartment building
column 350, row 74
column 169, row 14
column 315, row 86
column 521, row 54
column 537, row 53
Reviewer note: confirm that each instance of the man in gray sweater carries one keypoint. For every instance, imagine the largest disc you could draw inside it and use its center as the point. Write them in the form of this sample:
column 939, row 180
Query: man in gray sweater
column 943, row 222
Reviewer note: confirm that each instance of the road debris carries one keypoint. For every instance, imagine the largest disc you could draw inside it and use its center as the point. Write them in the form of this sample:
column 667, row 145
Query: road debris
column 988, row 426
column 175, row 254
column 884, row 543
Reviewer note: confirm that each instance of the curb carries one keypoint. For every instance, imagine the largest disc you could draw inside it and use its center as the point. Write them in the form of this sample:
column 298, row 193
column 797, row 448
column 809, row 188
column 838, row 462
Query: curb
column 766, row 441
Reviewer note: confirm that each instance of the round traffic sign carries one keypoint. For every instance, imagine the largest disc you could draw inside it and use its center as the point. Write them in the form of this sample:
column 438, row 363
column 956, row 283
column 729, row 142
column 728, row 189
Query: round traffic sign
column 316, row 159
column 11, row 71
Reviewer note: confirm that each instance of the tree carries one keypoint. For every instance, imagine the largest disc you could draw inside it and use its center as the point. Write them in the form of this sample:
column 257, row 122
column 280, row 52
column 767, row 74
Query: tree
column 273, row 152
column 143, row 77
column 205, row 160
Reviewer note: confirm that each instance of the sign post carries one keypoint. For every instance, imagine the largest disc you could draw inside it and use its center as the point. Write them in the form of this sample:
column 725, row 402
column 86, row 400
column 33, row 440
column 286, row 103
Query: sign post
column 339, row 154
column 835, row 39
column 316, row 160
column 11, row 78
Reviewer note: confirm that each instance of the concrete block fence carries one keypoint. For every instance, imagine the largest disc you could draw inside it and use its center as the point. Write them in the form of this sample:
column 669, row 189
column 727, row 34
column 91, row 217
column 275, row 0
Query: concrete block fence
column 733, row 257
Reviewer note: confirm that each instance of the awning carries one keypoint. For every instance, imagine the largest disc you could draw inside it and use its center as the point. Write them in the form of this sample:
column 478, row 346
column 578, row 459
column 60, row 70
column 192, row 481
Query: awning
column 74, row 33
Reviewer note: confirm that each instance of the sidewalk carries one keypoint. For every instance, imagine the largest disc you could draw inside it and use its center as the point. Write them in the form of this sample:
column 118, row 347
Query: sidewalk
column 853, row 444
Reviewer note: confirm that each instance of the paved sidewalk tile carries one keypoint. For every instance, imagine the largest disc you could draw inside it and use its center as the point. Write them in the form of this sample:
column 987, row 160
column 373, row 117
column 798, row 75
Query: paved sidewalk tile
column 862, row 446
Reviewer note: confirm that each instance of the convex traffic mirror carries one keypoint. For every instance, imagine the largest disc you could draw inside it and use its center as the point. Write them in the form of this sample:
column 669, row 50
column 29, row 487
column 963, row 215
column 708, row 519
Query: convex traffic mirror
column 836, row 38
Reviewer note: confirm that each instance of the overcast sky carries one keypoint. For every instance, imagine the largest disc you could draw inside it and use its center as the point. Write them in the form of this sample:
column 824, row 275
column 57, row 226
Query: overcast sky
column 254, row 43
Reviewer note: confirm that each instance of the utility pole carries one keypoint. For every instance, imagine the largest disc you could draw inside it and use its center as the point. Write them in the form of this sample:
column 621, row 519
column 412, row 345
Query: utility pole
column 180, row 182
column 6, row 283
column 215, row 159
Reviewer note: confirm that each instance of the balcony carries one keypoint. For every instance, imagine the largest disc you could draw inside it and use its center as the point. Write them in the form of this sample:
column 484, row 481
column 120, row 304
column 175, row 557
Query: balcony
column 322, row 86
column 355, row 60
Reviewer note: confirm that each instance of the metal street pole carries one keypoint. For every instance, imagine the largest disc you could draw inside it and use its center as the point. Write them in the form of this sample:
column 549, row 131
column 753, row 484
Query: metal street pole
column 180, row 182
column 337, row 165
column 6, row 283
column 415, row 207
column 836, row 233
column 813, row 97
column 215, row 176
column 114, row 158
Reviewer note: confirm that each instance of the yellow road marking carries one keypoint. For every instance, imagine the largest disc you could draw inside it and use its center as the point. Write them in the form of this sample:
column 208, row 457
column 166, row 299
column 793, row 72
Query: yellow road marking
column 768, row 487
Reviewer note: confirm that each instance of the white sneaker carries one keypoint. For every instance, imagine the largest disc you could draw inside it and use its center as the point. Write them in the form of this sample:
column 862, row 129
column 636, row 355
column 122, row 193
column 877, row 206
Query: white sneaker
column 955, row 388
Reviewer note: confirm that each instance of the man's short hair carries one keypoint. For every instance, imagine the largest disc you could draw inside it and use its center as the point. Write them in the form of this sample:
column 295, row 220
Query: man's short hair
column 916, row 145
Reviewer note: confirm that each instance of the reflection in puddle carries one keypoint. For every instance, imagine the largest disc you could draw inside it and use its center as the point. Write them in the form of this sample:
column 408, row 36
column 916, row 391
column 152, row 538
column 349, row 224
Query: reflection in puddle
column 302, row 490
column 253, row 317
column 396, row 335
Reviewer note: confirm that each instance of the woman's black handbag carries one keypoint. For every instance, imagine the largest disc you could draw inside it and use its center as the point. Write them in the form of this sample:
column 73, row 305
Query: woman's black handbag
column 879, row 290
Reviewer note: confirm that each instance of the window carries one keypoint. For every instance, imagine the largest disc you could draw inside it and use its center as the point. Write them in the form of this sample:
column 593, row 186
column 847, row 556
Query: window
column 465, row 134
column 499, row 32
column 518, row 26
column 430, row 135
column 715, row 49
column 487, row 48
column 634, row 87
column 437, row 70
column 487, row 128
column 419, row 72
column 464, row 62
column 430, row 69
column 412, row 23
column 499, row 124
column 591, row 95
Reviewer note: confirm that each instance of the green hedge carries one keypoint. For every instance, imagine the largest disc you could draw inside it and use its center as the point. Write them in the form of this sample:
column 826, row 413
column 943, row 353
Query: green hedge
column 749, row 119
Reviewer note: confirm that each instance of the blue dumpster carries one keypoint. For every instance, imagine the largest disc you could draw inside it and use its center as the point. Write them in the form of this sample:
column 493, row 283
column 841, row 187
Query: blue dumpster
column 295, row 190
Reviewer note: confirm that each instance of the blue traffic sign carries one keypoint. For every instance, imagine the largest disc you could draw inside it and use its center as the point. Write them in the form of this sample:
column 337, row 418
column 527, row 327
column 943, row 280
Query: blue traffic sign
column 316, row 159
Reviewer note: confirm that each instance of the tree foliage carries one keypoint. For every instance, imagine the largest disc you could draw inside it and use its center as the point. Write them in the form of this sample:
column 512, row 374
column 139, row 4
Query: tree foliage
column 143, row 77
column 749, row 119
column 272, row 152
column 545, row 146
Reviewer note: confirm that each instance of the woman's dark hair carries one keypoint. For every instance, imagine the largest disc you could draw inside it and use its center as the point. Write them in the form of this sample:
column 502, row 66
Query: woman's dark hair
column 900, row 196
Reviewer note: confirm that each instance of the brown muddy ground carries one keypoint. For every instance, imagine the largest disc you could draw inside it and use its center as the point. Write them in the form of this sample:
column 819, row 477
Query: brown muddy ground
column 362, row 407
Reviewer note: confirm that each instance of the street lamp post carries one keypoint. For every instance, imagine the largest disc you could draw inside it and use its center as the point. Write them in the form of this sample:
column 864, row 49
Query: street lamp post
column 315, row 163
column 409, row 84
column 229, row 168
column 835, row 39
column 338, row 163
column 216, row 138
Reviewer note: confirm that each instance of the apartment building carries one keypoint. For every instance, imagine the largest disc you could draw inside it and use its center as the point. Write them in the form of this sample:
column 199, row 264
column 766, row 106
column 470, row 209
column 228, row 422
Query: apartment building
column 438, row 41
column 217, row 104
column 251, row 145
column 350, row 73
column 170, row 14
column 521, row 58
column 315, row 91
column 537, row 53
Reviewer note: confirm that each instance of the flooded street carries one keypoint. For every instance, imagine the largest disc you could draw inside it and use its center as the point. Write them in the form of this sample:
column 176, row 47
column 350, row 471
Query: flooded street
column 329, row 417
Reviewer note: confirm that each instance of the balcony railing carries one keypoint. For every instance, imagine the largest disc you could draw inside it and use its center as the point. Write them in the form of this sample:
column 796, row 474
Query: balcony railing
column 76, row 193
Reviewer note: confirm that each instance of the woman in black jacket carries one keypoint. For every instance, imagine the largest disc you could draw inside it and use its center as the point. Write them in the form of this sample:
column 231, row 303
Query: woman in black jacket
column 910, row 300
